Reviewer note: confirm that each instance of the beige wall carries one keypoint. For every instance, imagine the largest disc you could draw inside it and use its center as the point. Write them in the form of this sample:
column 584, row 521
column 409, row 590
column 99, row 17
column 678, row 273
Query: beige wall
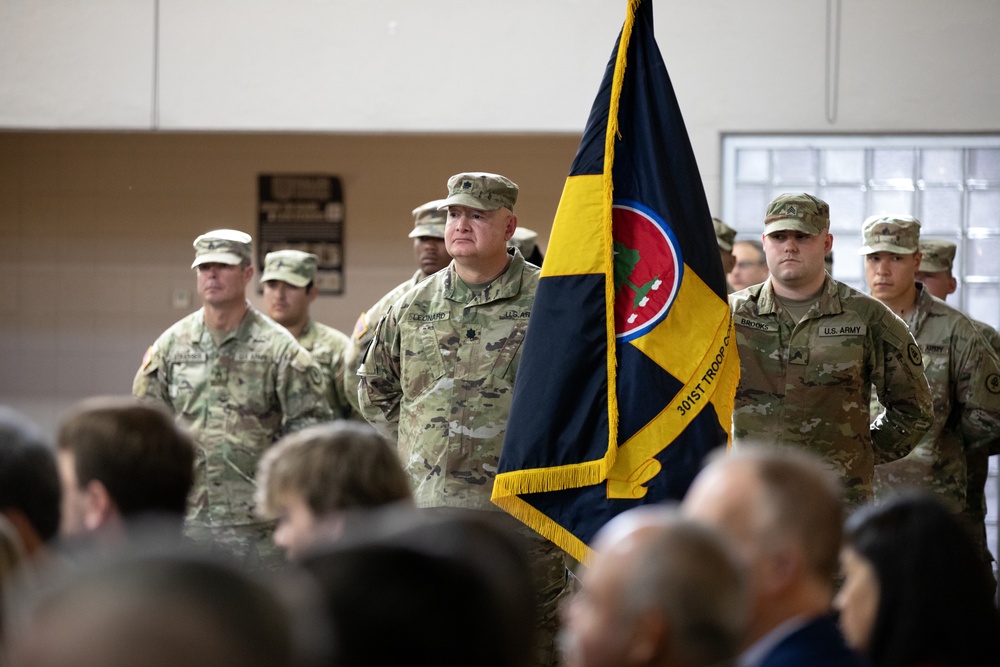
column 96, row 232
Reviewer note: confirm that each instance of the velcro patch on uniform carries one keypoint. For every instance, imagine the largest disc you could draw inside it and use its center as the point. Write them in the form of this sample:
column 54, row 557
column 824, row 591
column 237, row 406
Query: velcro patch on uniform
column 756, row 325
column 187, row 357
column 913, row 352
column 514, row 314
column 993, row 383
column 360, row 327
column 843, row 330
column 428, row 317
column 257, row 357
column 146, row 358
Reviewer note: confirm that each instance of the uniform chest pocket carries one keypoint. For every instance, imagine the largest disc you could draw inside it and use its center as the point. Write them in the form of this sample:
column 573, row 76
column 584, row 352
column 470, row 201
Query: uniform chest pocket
column 246, row 380
column 188, row 382
column 835, row 361
column 507, row 351
column 425, row 356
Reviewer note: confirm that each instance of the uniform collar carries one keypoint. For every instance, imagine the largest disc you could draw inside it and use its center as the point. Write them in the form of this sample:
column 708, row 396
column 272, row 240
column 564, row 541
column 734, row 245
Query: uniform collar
column 828, row 302
column 506, row 285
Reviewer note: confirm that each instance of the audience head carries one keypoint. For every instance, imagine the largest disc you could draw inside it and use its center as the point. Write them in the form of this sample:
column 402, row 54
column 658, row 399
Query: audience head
column 388, row 603
column 11, row 559
column 662, row 590
column 487, row 541
column 750, row 265
column 915, row 590
column 153, row 609
column 121, row 460
column 310, row 479
column 29, row 481
column 782, row 510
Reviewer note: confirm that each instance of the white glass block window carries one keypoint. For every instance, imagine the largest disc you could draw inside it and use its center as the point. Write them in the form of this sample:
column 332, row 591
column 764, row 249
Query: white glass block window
column 941, row 167
column 843, row 166
column 940, row 208
column 951, row 183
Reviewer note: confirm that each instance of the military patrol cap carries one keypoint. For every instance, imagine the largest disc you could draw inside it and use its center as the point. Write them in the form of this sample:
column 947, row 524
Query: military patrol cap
column 290, row 266
column 899, row 234
column 486, row 192
column 222, row 246
column 429, row 220
column 724, row 234
column 936, row 256
column 524, row 239
column 799, row 211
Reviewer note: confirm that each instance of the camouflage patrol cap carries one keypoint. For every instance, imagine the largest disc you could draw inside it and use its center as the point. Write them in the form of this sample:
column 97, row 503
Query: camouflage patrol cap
column 524, row 239
column 222, row 246
column 936, row 256
column 724, row 234
column 799, row 211
column 290, row 266
column 429, row 220
column 479, row 190
column 899, row 234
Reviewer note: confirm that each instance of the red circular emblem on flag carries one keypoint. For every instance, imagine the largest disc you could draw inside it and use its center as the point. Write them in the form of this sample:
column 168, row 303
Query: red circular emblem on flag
column 647, row 269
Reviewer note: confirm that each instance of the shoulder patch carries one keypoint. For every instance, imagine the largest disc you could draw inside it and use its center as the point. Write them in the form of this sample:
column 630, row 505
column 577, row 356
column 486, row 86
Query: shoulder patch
column 147, row 359
column 913, row 352
column 361, row 326
column 993, row 383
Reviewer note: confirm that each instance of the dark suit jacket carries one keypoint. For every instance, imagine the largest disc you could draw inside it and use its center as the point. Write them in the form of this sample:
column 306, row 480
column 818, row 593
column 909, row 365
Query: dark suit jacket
column 816, row 644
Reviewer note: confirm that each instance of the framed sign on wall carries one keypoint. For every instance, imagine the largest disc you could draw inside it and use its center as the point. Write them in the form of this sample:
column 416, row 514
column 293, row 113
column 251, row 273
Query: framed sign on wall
column 303, row 212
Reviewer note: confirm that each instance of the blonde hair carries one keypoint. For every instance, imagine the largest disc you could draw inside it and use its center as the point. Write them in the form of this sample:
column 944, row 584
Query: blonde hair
column 336, row 466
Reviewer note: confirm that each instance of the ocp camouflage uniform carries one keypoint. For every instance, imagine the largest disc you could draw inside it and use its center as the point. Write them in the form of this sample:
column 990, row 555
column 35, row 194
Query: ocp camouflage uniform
column 364, row 331
column 978, row 467
column 964, row 378
column 329, row 349
column 438, row 379
column 236, row 398
column 808, row 384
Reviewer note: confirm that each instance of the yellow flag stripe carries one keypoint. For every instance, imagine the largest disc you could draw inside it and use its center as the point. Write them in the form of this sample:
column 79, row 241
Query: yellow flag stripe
column 546, row 527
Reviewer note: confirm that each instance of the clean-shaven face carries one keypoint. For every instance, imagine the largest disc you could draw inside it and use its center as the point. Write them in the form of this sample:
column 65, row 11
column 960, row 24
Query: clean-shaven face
column 472, row 234
column 795, row 258
column 890, row 275
column 223, row 284
column 430, row 253
column 286, row 304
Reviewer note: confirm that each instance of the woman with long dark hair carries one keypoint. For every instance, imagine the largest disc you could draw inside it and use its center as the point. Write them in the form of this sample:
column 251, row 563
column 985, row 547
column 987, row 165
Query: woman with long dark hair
column 915, row 593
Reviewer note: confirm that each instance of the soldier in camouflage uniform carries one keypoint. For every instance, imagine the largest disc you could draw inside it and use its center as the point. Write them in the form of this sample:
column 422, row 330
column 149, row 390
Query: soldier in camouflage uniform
column 238, row 382
column 960, row 364
column 429, row 249
column 936, row 262
column 811, row 350
column 724, row 236
column 439, row 374
column 288, row 291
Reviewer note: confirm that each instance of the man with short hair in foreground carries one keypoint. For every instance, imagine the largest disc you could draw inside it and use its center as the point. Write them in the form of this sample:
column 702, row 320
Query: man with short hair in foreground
column 121, row 462
column 781, row 509
column 662, row 590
